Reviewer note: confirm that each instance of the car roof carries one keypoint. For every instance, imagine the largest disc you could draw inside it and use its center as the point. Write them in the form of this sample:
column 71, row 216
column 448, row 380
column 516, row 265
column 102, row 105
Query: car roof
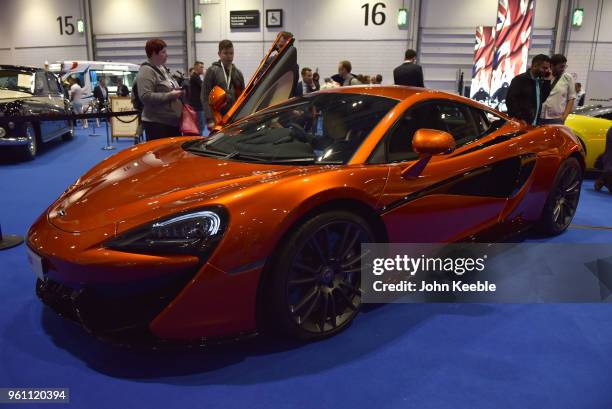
column 398, row 92
column 401, row 92
column 19, row 67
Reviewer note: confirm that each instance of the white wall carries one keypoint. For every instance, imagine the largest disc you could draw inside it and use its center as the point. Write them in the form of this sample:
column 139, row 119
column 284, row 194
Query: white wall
column 30, row 32
column 137, row 16
column 326, row 32
column 589, row 48
column 121, row 29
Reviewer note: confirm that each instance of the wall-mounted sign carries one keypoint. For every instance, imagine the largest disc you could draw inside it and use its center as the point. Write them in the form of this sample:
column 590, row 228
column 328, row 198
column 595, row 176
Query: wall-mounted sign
column 274, row 18
column 577, row 17
column 197, row 21
column 244, row 19
column 402, row 18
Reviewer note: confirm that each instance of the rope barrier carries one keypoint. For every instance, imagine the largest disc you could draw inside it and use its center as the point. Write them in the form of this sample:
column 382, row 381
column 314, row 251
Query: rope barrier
column 61, row 117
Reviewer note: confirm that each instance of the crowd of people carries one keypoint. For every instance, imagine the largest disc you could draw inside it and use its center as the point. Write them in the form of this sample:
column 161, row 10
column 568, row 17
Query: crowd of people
column 158, row 91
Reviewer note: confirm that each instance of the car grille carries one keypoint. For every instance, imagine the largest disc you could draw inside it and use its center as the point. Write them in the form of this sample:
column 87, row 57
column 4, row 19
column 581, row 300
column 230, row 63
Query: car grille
column 115, row 312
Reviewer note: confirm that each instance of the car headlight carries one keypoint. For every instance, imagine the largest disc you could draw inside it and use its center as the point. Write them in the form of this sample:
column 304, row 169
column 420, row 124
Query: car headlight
column 195, row 233
column 2, row 132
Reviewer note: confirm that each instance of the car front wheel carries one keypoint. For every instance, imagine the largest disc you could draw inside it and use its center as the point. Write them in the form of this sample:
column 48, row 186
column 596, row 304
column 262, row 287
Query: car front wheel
column 29, row 151
column 313, row 289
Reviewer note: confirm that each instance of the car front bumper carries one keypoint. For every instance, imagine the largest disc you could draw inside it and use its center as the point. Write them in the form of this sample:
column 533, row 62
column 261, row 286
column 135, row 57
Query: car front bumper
column 128, row 297
column 14, row 141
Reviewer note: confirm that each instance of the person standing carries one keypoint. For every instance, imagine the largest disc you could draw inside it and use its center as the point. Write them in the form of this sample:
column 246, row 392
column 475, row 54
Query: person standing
column 526, row 91
column 580, row 95
column 122, row 89
column 409, row 73
column 75, row 93
column 159, row 93
column 315, row 79
column 222, row 73
column 560, row 101
column 307, row 85
column 101, row 94
column 344, row 71
column 195, row 91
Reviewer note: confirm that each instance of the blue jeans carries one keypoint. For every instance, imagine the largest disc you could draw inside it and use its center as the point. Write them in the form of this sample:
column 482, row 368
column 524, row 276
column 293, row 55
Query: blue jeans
column 553, row 121
column 201, row 121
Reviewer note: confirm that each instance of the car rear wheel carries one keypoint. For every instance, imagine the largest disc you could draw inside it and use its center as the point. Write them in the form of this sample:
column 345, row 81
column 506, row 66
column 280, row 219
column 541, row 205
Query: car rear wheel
column 563, row 198
column 313, row 289
column 29, row 151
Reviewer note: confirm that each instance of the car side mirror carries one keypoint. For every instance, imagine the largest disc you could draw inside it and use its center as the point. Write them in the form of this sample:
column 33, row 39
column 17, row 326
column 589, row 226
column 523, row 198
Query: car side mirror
column 428, row 142
column 217, row 98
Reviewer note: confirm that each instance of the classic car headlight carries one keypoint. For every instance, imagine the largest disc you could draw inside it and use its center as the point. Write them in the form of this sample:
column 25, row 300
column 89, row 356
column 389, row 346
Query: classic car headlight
column 2, row 132
column 194, row 233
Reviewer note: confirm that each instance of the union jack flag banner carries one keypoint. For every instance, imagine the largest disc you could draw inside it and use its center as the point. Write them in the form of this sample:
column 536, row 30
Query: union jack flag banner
column 482, row 71
column 512, row 41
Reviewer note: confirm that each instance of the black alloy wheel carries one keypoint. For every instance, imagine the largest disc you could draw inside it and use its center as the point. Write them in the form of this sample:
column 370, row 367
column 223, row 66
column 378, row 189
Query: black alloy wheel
column 562, row 201
column 315, row 290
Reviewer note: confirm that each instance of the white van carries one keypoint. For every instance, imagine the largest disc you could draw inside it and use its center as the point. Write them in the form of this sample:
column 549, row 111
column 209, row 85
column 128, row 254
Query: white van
column 89, row 73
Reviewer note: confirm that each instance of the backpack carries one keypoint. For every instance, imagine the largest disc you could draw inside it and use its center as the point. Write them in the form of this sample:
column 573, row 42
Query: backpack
column 136, row 102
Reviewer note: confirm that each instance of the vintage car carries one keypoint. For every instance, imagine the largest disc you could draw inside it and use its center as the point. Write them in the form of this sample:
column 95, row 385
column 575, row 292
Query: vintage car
column 260, row 226
column 590, row 124
column 31, row 91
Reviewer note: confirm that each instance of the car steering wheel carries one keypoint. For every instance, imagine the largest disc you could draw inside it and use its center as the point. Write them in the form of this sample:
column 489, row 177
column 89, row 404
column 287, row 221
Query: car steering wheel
column 300, row 133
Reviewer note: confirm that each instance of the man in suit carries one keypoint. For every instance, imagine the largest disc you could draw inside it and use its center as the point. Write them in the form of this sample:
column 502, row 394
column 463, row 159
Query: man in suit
column 528, row 91
column 409, row 73
column 195, row 91
column 307, row 85
column 101, row 93
column 122, row 89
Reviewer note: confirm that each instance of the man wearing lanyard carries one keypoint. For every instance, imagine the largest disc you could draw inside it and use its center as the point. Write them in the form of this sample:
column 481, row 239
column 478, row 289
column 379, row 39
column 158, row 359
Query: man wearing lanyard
column 224, row 74
column 527, row 91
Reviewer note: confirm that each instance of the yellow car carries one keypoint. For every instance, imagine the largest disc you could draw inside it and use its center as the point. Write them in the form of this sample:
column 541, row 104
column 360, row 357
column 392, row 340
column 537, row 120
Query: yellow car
column 590, row 124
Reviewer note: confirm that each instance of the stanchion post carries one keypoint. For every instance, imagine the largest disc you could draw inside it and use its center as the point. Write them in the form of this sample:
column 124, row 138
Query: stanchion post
column 9, row 241
column 96, row 125
column 109, row 146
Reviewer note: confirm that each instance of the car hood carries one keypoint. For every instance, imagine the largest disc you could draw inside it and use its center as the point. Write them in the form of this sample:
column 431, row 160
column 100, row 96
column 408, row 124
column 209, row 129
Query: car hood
column 151, row 183
column 7, row 95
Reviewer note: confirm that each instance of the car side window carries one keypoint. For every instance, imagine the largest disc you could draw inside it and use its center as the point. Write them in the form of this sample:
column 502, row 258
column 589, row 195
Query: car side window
column 399, row 142
column 457, row 120
column 466, row 124
column 40, row 84
column 54, row 85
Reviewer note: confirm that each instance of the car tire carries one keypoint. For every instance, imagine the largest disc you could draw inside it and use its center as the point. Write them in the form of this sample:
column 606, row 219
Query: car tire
column 312, row 288
column 29, row 151
column 562, row 201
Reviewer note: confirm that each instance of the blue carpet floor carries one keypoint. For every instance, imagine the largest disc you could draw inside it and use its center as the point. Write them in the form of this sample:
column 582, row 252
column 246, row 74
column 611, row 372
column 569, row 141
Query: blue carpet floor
column 394, row 356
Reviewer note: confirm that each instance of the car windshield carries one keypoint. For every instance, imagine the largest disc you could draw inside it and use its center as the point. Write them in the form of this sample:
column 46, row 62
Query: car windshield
column 325, row 128
column 16, row 80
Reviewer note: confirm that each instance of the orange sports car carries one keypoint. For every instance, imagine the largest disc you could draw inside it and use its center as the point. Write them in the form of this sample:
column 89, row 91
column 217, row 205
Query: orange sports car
column 261, row 224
